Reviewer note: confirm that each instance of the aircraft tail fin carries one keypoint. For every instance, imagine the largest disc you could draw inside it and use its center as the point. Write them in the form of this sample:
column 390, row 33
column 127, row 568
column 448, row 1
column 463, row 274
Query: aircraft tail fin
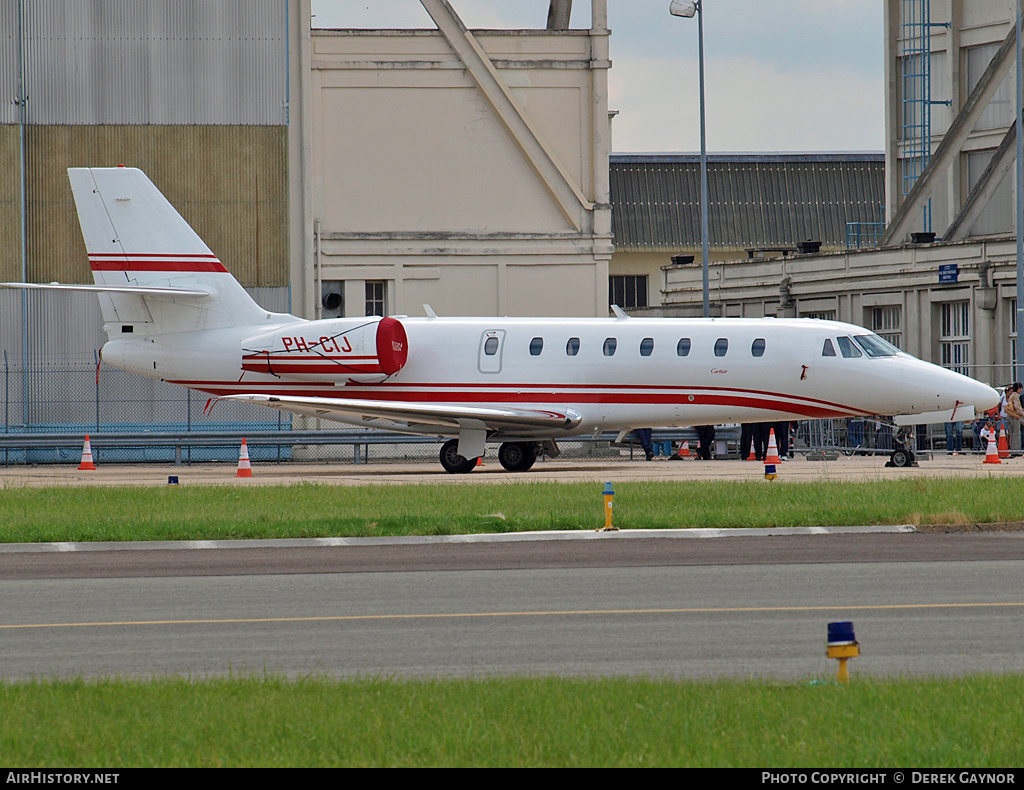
column 139, row 245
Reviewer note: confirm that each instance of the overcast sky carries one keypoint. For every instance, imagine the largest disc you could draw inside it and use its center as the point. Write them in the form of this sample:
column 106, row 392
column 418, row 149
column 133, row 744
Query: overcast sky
column 782, row 75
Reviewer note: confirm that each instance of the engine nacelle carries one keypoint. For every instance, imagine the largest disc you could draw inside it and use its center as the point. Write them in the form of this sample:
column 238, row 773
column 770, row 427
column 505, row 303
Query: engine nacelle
column 342, row 349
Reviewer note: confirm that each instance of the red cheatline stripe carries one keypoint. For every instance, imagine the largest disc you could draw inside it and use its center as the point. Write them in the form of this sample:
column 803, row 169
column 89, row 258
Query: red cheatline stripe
column 777, row 403
column 512, row 393
column 155, row 262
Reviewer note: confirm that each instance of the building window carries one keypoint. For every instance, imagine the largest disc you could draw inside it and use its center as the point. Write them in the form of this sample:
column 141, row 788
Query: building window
column 955, row 336
column 627, row 290
column 887, row 323
column 822, row 315
column 376, row 297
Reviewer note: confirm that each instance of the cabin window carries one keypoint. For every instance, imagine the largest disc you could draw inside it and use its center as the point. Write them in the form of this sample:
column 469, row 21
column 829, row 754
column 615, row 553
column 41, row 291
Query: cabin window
column 536, row 346
column 848, row 349
column 491, row 346
column 757, row 347
column 683, row 347
column 572, row 348
column 721, row 347
column 828, row 350
column 646, row 346
column 609, row 346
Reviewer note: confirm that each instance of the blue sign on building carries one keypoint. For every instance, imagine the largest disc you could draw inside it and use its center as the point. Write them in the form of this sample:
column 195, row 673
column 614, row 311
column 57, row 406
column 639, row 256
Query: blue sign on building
column 948, row 272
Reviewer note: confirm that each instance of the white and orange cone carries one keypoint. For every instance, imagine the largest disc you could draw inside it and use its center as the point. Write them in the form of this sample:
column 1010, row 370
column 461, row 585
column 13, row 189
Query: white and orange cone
column 991, row 453
column 244, row 467
column 771, row 457
column 685, row 452
column 1003, row 446
column 87, row 464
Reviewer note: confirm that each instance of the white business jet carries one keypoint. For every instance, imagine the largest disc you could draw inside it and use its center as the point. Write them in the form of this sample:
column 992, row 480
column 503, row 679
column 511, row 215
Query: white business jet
column 172, row 312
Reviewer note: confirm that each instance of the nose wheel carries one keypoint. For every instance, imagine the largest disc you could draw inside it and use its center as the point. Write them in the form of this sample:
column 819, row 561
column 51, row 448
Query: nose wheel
column 902, row 455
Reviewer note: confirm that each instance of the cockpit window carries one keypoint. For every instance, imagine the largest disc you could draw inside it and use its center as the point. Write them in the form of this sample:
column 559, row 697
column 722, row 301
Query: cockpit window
column 848, row 349
column 828, row 350
column 876, row 346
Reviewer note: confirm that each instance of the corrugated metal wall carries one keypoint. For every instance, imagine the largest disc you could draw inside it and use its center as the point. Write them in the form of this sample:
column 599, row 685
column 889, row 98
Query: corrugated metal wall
column 194, row 92
column 753, row 200
column 166, row 62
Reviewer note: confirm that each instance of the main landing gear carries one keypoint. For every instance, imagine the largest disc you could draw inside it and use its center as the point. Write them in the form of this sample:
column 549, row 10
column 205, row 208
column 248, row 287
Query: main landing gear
column 517, row 456
column 514, row 456
column 454, row 463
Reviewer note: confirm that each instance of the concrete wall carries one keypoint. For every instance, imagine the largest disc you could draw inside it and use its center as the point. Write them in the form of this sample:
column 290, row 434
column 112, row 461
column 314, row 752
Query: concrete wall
column 966, row 36
column 474, row 179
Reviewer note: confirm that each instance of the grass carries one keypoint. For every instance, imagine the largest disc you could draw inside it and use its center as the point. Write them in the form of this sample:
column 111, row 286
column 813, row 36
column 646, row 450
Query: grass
column 311, row 510
column 972, row 721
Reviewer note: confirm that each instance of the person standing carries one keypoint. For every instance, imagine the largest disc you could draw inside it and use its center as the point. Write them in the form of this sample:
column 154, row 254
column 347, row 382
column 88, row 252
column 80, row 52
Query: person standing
column 705, row 438
column 644, row 436
column 1014, row 415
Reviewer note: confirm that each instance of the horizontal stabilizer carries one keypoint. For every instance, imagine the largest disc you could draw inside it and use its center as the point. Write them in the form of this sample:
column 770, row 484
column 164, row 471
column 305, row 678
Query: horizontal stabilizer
column 962, row 413
column 419, row 414
column 138, row 290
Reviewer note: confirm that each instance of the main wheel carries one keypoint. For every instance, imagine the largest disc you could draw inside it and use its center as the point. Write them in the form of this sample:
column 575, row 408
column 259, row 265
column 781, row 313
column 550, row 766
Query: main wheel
column 517, row 456
column 452, row 462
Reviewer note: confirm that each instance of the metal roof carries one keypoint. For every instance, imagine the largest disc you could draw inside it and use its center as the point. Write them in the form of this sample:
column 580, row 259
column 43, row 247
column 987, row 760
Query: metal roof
column 754, row 200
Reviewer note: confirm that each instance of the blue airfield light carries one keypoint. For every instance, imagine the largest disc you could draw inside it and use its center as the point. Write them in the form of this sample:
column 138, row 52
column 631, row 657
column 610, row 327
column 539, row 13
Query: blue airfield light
column 842, row 644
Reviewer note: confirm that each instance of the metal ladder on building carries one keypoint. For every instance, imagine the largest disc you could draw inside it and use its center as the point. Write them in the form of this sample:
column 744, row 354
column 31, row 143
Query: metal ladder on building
column 915, row 56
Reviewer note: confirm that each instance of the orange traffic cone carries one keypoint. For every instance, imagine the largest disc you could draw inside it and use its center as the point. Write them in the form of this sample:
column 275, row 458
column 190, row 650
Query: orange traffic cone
column 753, row 455
column 771, row 457
column 991, row 454
column 244, row 468
column 1004, row 448
column 685, row 452
column 87, row 463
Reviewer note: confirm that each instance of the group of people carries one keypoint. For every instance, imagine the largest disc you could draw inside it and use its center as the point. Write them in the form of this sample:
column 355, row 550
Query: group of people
column 1010, row 413
column 754, row 434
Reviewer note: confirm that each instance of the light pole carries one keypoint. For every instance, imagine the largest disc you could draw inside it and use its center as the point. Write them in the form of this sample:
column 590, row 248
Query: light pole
column 688, row 8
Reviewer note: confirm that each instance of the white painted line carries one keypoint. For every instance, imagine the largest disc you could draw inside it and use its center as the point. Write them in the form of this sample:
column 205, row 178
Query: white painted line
column 415, row 540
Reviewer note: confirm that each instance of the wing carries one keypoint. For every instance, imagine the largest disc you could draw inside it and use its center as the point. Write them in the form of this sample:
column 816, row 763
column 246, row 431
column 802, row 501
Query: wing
column 140, row 290
column 420, row 417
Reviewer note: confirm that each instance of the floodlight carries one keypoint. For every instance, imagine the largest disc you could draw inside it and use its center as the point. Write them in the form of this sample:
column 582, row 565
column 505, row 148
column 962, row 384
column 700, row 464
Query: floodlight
column 685, row 8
